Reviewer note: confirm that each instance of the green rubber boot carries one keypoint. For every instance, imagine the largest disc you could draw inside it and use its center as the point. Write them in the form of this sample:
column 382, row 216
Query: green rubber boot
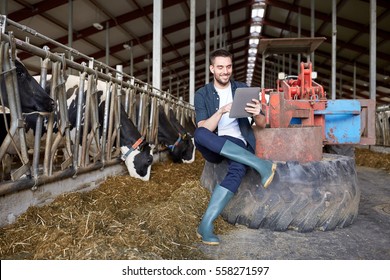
column 265, row 168
column 219, row 199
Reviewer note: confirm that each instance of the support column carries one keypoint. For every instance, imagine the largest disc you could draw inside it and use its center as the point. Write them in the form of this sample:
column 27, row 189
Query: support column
column 312, row 28
column 157, row 38
column 334, row 42
column 354, row 80
column 299, row 36
column 107, row 43
column 373, row 49
column 70, row 24
column 4, row 7
column 207, row 61
column 192, row 52
column 215, row 24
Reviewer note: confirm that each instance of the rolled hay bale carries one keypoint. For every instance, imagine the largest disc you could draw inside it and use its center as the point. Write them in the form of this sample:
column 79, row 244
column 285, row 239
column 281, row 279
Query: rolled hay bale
column 319, row 195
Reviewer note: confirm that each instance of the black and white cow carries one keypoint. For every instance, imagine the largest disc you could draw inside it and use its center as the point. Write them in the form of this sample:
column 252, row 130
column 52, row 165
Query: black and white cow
column 136, row 152
column 189, row 125
column 181, row 147
column 189, row 152
column 32, row 99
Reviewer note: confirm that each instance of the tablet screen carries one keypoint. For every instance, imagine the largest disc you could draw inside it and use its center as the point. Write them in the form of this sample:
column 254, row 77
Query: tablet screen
column 241, row 98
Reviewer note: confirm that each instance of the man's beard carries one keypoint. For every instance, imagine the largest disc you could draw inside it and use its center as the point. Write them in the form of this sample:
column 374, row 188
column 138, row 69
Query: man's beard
column 222, row 83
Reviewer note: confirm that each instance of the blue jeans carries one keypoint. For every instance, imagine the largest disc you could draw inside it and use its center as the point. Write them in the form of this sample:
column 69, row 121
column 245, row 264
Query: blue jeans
column 210, row 145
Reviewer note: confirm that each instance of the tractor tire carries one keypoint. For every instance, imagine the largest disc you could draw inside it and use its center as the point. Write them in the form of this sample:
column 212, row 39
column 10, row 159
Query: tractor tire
column 319, row 195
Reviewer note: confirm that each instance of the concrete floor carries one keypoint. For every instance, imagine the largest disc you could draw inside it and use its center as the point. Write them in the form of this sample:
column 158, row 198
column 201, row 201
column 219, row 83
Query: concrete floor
column 367, row 239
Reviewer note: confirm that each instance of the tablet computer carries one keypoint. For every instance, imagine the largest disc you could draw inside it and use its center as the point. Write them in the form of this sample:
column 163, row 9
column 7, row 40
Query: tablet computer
column 241, row 97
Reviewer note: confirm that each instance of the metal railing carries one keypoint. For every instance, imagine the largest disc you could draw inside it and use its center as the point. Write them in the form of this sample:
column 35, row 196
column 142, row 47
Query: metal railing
column 57, row 154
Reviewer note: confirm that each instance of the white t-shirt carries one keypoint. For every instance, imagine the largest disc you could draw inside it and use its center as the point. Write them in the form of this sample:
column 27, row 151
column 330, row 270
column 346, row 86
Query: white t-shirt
column 226, row 125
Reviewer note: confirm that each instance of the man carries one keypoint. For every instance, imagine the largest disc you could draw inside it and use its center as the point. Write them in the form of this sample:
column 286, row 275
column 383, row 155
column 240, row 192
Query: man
column 219, row 137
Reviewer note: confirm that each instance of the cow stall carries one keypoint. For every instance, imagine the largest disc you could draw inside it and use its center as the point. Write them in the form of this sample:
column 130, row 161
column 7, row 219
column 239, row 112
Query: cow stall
column 382, row 120
column 80, row 130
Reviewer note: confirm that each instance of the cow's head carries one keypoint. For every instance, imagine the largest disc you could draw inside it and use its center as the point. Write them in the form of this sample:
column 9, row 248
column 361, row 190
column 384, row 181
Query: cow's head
column 32, row 96
column 188, row 154
column 183, row 150
column 138, row 159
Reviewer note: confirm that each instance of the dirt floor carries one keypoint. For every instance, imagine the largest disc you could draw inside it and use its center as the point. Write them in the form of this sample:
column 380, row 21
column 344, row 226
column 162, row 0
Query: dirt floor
column 126, row 218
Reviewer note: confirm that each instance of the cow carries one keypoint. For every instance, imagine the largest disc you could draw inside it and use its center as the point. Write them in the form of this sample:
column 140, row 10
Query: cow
column 33, row 99
column 189, row 125
column 136, row 152
column 32, row 96
column 189, row 153
column 180, row 146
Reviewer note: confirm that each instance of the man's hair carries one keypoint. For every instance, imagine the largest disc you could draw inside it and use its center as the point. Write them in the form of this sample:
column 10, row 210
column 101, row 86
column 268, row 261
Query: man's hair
column 219, row 52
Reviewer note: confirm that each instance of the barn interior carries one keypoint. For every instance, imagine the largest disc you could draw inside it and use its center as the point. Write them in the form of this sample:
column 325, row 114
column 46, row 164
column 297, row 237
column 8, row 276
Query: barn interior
column 124, row 32
column 168, row 49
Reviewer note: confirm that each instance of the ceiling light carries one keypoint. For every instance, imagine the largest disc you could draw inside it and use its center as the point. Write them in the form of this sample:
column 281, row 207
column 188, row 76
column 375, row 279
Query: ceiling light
column 254, row 41
column 98, row 26
column 252, row 51
column 257, row 11
column 251, row 59
column 251, row 65
column 255, row 29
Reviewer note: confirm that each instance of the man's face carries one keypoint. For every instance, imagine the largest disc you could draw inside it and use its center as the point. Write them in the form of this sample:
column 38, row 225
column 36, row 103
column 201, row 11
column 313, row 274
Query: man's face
column 222, row 70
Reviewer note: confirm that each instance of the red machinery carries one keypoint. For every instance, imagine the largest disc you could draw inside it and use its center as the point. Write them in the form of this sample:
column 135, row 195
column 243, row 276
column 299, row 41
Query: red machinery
column 299, row 116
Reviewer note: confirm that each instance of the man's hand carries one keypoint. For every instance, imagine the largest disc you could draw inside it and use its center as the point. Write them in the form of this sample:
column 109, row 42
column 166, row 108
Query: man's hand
column 254, row 107
column 225, row 109
column 212, row 122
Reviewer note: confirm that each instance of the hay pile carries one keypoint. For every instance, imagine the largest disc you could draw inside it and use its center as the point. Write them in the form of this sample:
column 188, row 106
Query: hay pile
column 124, row 218
column 368, row 158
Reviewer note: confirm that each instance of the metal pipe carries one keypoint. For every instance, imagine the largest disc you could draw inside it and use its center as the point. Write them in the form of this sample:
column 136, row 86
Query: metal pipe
column 4, row 7
column 157, row 41
column 25, row 46
column 105, row 122
column 220, row 29
column 50, row 120
column 39, row 123
column 334, row 43
column 207, row 61
column 354, row 80
column 215, row 24
column 148, row 71
column 263, row 70
column 373, row 49
column 24, row 184
column 192, row 51
column 76, row 143
column 299, row 36
column 312, row 27
column 13, row 89
column 70, row 24
column 131, row 60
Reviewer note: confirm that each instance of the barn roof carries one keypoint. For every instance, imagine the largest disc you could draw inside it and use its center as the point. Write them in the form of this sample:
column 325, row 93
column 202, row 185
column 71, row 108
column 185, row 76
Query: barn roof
column 131, row 22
